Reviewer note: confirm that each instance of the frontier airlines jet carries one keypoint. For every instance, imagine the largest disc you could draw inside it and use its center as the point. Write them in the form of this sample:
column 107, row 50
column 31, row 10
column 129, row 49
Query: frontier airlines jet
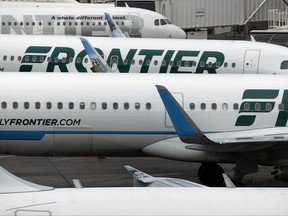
column 132, row 55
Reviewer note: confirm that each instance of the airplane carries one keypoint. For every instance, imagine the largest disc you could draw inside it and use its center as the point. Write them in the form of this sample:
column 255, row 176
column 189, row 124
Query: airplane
column 116, row 114
column 20, row 197
column 132, row 55
column 28, row 18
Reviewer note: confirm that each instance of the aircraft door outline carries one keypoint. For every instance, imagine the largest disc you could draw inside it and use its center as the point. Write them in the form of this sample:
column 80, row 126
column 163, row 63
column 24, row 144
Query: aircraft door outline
column 251, row 62
column 135, row 24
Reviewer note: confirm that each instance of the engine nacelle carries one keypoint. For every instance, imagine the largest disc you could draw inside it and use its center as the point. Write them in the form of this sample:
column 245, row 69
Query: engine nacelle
column 280, row 173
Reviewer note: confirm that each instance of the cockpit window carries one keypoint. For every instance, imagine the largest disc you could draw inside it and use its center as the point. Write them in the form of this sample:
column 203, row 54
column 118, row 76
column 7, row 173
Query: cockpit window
column 284, row 65
column 168, row 21
column 163, row 22
column 156, row 22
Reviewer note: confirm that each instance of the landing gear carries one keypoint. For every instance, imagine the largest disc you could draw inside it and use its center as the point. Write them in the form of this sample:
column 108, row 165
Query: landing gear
column 210, row 174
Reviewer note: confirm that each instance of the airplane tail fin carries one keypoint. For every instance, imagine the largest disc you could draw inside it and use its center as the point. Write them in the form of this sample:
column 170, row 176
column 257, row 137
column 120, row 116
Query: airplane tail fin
column 140, row 179
column 115, row 30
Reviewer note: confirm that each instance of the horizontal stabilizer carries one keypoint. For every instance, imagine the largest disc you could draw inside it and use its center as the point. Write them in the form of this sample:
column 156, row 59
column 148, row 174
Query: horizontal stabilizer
column 10, row 183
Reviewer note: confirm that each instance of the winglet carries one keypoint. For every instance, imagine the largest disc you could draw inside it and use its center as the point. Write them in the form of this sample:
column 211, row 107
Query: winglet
column 99, row 64
column 10, row 183
column 185, row 128
column 227, row 181
column 140, row 178
column 115, row 30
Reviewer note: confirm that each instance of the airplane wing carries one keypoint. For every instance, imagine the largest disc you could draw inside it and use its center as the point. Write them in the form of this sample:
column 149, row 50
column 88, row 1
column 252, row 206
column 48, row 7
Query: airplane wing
column 115, row 30
column 142, row 179
column 99, row 64
column 238, row 141
column 10, row 183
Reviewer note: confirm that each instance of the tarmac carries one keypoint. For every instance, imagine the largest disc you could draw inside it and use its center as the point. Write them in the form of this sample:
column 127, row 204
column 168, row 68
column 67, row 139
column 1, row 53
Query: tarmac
column 59, row 172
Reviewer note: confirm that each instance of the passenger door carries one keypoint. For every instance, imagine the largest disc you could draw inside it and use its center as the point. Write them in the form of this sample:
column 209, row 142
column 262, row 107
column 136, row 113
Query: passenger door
column 251, row 61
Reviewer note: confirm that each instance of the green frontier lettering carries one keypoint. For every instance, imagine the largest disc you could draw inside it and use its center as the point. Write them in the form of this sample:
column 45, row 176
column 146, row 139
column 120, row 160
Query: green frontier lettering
column 116, row 54
column 283, row 114
column 148, row 57
column 61, row 63
column 178, row 58
column 251, row 105
column 204, row 63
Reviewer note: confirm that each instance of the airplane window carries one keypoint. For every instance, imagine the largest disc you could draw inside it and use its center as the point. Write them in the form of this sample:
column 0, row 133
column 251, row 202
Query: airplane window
column 85, row 60
column 217, row 64
column 137, row 106
column 281, row 107
column 268, row 107
column 233, row 65
column 194, row 63
column 284, row 65
column 93, row 105
column 3, row 23
column 37, row 105
column 117, row 23
column 246, row 106
column 49, row 23
column 148, row 62
column 87, row 23
column 163, row 63
column 148, row 106
column 125, row 62
column 76, row 23
column 132, row 62
column 99, row 23
column 12, row 58
column 209, row 64
column 203, row 106
column 105, row 23
column 33, row 23
column 162, row 21
column 156, row 22
column 27, row 23
column 70, row 23
column 82, row 105
column 192, row 106
column 48, row 105
column 60, row 105
column 40, row 23
column 104, row 105
column 15, row 23
column 126, row 105
column 115, row 106
column 257, row 106
column 26, row 105
column 63, row 59
column 9, row 23
column 213, row 106
column 81, row 23
column 70, row 59
column 225, row 65
column 155, row 62
column 178, row 63
column 235, row 106
column 48, row 59
column 21, row 23
column 168, row 21
column 56, row 59
column 58, row 23
column 122, row 23
column 34, row 58
column 42, row 59
column 224, row 106
column 186, row 64
column 4, row 105
column 202, row 64
column 71, row 105
column 4, row 58
column 15, row 105
column 64, row 23
column 78, row 60
column 140, row 62
column 19, row 58
column 26, row 59
column 171, row 63
column 93, row 23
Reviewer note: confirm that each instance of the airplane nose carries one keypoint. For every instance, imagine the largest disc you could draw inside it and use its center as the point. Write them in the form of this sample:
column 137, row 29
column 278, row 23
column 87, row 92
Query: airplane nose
column 179, row 33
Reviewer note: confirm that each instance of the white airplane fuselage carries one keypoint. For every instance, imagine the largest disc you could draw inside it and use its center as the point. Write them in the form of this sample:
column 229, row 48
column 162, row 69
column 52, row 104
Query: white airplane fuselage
column 131, row 55
column 147, row 201
column 82, row 19
column 122, row 114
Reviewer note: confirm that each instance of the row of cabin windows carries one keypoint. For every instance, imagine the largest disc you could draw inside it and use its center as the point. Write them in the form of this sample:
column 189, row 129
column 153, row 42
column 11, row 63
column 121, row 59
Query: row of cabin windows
column 246, row 106
column 114, row 61
column 93, row 23
column 203, row 106
column 72, row 105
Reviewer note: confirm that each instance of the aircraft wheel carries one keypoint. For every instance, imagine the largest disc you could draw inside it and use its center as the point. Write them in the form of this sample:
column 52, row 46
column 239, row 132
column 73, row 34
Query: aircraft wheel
column 210, row 174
